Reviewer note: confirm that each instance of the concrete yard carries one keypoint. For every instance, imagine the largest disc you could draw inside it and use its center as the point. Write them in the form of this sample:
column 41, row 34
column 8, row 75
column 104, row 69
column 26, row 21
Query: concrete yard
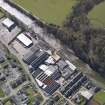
column 6, row 35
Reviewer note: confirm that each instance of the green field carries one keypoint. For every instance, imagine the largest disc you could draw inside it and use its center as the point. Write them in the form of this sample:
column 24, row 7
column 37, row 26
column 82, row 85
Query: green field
column 1, row 93
column 1, row 14
column 100, row 98
column 51, row 11
column 97, row 15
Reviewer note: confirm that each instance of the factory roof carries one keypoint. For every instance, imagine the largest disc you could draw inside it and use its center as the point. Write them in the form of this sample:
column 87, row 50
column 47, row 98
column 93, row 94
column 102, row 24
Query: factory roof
column 39, row 82
column 62, row 64
column 86, row 94
column 73, row 67
column 24, row 39
column 48, row 70
column 50, row 60
column 43, row 67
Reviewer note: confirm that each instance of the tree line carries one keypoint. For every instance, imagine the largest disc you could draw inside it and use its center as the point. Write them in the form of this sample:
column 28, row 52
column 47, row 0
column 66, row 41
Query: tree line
column 79, row 34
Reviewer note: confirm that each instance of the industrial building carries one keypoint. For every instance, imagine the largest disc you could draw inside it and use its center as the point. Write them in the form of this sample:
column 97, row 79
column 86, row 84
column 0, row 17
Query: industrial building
column 46, row 83
column 51, row 70
column 86, row 94
column 67, row 69
column 73, row 85
column 44, row 70
column 9, row 24
column 25, row 40
column 30, row 56
column 41, row 57
column 72, row 67
column 62, row 64
column 36, row 58
column 36, row 72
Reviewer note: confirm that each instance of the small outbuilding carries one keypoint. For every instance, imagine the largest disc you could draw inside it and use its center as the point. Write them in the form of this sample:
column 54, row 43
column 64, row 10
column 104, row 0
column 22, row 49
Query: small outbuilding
column 9, row 24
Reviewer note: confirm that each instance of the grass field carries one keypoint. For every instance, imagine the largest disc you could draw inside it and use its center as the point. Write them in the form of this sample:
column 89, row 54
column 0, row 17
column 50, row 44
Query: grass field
column 1, row 93
column 97, row 15
column 1, row 14
column 51, row 11
column 100, row 98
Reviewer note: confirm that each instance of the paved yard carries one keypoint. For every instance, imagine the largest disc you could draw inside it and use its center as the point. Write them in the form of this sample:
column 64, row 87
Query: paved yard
column 5, row 35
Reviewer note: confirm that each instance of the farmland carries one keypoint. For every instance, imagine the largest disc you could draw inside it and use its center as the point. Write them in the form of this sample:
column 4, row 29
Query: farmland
column 50, row 11
column 97, row 15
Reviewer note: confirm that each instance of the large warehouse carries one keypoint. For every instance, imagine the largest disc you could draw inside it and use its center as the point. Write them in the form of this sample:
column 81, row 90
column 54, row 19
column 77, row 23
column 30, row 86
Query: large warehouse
column 25, row 40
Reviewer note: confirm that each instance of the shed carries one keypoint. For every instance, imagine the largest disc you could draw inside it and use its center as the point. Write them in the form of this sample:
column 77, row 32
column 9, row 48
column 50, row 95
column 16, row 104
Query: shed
column 9, row 24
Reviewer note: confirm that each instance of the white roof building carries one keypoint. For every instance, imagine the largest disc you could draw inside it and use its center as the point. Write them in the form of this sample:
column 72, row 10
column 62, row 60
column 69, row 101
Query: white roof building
column 24, row 39
column 39, row 82
column 43, row 67
column 86, row 94
column 73, row 67
column 48, row 70
column 50, row 60
column 8, row 23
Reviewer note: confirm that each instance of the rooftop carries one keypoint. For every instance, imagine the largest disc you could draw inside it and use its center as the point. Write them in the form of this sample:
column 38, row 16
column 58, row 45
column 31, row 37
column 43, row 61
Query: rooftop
column 8, row 23
column 86, row 94
column 24, row 39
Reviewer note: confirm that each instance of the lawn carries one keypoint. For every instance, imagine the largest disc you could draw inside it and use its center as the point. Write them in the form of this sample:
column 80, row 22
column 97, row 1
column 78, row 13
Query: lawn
column 100, row 98
column 1, row 14
column 97, row 15
column 1, row 93
column 50, row 11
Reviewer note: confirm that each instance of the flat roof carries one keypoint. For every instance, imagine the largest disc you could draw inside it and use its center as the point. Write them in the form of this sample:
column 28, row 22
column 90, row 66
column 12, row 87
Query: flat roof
column 73, row 67
column 50, row 60
column 86, row 94
column 43, row 67
column 8, row 23
column 24, row 39
column 48, row 70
